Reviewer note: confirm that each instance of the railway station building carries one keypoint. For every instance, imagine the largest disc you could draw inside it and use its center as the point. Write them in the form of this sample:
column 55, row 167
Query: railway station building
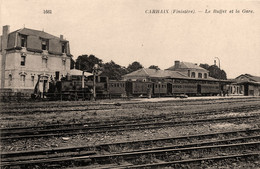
column 245, row 84
column 27, row 54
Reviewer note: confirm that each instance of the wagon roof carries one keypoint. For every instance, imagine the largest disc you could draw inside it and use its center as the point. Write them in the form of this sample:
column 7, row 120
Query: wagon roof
column 76, row 72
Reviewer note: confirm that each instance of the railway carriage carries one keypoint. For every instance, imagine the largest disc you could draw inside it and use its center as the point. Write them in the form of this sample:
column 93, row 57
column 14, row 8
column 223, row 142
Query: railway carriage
column 182, row 87
column 160, row 89
column 138, row 88
column 209, row 88
column 117, row 88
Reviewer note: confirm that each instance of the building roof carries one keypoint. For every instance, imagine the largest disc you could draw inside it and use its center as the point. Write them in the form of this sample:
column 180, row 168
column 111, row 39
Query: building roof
column 76, row 72
column 247, row 78
column 186, row 65
column 153, row 73
column 42, row 34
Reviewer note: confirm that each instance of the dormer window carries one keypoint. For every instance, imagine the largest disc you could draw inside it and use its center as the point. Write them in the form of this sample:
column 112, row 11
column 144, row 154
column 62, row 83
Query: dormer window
column 63, row 47
column 44, row 44
column 205, row 75
column 23, row 41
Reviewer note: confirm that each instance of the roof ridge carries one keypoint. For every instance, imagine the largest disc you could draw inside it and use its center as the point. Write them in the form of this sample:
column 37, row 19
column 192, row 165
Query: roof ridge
column 39, row 32
column 145, row 71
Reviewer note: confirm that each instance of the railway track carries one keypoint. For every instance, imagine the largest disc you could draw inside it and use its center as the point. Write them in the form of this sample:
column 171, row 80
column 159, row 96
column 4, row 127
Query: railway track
column 92, row 128
column 150, row 118
column 138, row 119
column 93, row 106
column 145, row 153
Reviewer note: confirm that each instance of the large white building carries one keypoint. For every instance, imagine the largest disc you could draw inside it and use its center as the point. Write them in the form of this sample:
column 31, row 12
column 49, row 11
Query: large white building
column 26, row 54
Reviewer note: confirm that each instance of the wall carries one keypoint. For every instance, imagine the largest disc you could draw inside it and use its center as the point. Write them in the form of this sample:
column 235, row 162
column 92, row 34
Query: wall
column 253, row 90
column 32, row 68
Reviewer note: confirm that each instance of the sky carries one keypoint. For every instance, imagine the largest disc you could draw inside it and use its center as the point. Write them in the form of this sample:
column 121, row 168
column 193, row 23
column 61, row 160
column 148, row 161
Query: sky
column 126, row 30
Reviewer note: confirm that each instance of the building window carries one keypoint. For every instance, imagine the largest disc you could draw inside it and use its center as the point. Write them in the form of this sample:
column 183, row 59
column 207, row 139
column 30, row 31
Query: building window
column 22, row 80
column 32, row 80
column 63, row 47
column 188, row 73
column 44, row 44
column 23, row 60
column 23, row 41
column 64, row 64
column 193, row 74
column 205, row 75
column 10, row 78
column 44, row 62
column 200, row 75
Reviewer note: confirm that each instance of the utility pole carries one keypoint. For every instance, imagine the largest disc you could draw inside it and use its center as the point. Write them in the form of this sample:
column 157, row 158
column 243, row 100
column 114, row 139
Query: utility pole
column 95, row 71
column 218, row 62
column 219, row 74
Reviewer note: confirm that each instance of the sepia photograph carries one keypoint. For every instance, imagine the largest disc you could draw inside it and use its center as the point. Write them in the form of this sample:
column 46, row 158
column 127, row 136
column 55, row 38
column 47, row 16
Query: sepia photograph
column 95, row 84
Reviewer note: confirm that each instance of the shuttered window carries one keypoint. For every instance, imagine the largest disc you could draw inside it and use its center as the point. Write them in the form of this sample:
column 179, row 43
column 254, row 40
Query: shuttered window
column 22, row 79
column 23, row 60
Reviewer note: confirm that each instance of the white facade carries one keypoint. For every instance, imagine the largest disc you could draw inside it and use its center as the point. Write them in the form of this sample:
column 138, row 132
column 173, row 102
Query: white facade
column 22, row 67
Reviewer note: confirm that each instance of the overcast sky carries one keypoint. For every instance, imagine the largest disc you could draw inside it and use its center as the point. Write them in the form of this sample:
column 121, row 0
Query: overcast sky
column 123, row 31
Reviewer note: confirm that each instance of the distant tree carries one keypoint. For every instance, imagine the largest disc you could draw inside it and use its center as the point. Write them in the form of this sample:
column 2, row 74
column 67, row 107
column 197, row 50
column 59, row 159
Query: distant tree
column 214, row 71
column 217, row 73
column 86, row 63
column 205, row 66
column 113, row 71
column 134, row 66
column 154, row 67
column 72, row 63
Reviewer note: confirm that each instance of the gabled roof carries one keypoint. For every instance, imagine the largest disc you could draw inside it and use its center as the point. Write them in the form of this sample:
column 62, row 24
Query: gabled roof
column 186, row 65
column 247, row 78
column 42, row 34
column 153, row 73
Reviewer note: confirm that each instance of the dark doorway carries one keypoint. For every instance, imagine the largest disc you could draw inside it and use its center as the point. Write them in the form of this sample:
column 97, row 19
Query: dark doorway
column 199, row 89
column 246, row 90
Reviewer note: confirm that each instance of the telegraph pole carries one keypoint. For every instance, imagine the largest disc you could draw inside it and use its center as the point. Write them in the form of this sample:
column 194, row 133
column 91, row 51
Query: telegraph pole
column 219, row 74
column 218, row 62
column 95, row 71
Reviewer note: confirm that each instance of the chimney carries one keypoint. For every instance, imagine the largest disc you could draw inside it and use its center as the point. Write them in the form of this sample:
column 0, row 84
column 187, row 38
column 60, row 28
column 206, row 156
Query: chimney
column 177, row 64
column 6, row 31
column 61, row 37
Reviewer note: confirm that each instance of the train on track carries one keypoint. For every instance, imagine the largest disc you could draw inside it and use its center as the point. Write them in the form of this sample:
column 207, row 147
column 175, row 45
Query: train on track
column 78, row 87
